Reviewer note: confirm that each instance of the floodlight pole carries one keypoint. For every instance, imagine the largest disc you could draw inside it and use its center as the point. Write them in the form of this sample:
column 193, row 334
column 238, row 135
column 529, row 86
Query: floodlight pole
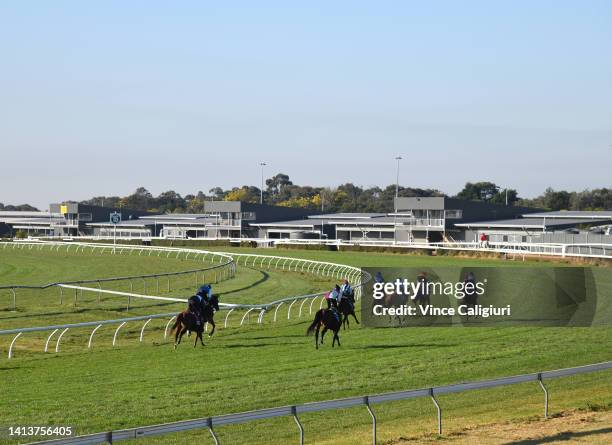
column 262, row 164
column 398, row 159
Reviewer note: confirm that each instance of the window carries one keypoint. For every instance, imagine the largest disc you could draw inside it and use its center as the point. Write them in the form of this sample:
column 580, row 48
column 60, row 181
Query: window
column 248, row 216
column 454, row 214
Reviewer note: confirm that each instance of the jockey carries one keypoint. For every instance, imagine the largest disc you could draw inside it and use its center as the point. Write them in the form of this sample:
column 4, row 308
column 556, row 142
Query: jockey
column 205, row 292
column 195, row 307
column 378, row 278
column 346, row 289
column 334, row 296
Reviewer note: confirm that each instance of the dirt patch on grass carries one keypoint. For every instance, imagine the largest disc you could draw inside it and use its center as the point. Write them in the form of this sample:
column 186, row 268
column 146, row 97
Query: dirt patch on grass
column 579, row 427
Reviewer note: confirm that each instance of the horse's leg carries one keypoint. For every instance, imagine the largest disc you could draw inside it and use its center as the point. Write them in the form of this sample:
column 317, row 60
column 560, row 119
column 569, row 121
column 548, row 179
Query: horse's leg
column 176, row 336
column 336, row 338
column 323, row 333
column 183, row 330
column 354, row 316
column 200, row 333
column 211, row 322
column 317, row 337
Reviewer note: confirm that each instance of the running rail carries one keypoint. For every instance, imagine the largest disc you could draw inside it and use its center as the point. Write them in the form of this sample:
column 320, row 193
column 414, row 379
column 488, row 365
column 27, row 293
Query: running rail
column 295, row 410
column 232, row 259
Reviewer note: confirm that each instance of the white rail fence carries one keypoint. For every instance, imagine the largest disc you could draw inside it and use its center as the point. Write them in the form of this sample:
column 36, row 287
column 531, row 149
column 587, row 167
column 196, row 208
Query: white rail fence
column 586, row 250
column 225, row 268
column 295, row 411
column 547, row 249
column 325, row 269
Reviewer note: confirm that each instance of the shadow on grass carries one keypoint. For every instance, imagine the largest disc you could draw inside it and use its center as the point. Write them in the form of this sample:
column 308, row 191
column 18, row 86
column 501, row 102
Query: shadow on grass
column 561, row 437
column 412, row 345
column 264, row 277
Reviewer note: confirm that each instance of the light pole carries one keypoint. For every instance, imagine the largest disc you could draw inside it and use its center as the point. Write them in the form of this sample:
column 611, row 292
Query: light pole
column 398, row 159
column 262, row 164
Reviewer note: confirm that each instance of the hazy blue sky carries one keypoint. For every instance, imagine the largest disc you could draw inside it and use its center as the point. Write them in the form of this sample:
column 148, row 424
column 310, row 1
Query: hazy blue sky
column 102, row 98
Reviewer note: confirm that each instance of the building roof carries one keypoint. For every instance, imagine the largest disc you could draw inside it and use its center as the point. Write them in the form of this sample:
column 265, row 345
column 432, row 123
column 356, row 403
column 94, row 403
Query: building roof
column 527, row 223
column 177, row 216
column 126, row 223
column 347, row 216
column 312, row 222
column 10, row 216
column 294, row 223
column 574, row 214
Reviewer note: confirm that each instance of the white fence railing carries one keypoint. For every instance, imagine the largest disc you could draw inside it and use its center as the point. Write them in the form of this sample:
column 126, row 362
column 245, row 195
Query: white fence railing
column 322, row 268
column 546, row 249
column 587, row 250
column 294, row 411
column 222, row 267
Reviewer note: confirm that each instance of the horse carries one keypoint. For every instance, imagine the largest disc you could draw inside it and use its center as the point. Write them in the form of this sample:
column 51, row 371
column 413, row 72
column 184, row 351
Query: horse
column 346, row 308
column 395, row 300
column 470, row 300
column 422, row 298
column 187, row 321
column 327, row 319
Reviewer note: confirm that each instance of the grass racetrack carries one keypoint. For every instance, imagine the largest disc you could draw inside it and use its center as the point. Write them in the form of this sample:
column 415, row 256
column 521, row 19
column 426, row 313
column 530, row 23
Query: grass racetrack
column 258, row 366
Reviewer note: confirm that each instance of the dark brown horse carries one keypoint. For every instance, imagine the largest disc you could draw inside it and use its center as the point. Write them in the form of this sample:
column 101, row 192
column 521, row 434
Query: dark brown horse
column 347, row 307
column 329, row 320
column 395, row 300
column 188, row 321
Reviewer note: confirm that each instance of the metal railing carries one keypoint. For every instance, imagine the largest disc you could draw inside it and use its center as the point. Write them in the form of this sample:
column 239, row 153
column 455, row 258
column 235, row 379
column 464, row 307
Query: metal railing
column 538, row 249
column 294, row 411
column 326, row 269
column 225, row 269
column 586, row 250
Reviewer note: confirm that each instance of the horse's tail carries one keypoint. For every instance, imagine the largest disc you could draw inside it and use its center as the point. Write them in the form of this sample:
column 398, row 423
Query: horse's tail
column 179, row 319
column 317, row 320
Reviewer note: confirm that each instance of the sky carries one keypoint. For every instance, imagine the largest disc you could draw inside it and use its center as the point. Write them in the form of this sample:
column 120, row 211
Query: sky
column 99, row 98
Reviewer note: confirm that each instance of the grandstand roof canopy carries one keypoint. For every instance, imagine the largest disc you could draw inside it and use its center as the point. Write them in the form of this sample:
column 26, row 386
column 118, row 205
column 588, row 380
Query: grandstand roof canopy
column 575, row 214
column 529, row 223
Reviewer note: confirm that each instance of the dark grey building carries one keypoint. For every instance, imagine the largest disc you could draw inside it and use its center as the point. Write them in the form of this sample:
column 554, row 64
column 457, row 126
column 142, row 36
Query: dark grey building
column 221, row 219
column 436, row 219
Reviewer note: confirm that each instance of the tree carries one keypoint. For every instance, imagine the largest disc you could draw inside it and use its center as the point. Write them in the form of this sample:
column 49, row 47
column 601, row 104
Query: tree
column 479, row 191
column 170, row 201
column 556, row 200
column 488, row 192
column 245, row 194
column 277, row 182
column 141, row 199
column 217, row 193
column 21, row 208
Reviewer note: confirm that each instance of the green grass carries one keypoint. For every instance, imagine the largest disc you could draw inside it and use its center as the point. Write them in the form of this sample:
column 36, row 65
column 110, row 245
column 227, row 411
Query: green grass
column 276, row 364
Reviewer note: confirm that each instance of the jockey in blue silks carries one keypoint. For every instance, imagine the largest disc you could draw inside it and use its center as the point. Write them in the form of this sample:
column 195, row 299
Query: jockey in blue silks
column 346, row 291
column 205, row 292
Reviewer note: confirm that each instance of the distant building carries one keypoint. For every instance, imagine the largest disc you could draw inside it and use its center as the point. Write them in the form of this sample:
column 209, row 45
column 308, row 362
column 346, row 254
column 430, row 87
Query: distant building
column 11, row 220
column 221, row 219
column 437, row 219
column 67, row 219
column 544, row 227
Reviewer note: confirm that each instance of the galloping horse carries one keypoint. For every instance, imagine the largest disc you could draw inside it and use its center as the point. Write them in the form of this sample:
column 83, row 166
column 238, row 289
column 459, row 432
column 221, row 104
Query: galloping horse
column 347, row 307
column 329, row 320
column 187, row 321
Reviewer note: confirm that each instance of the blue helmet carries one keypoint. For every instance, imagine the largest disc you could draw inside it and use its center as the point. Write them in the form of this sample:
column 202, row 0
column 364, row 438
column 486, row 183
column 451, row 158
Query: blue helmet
column 203, row 290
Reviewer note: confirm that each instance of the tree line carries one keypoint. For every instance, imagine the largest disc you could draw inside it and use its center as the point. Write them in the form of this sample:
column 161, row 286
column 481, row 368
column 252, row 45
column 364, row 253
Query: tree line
column 280, row 190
